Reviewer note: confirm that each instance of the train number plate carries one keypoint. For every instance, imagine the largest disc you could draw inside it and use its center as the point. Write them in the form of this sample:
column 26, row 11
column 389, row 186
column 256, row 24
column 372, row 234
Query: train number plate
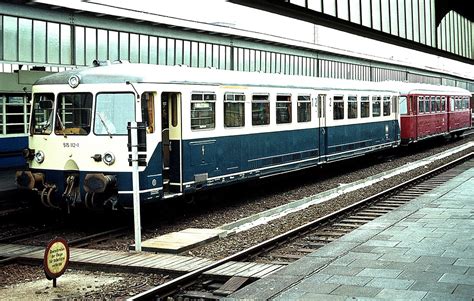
column 70, row 144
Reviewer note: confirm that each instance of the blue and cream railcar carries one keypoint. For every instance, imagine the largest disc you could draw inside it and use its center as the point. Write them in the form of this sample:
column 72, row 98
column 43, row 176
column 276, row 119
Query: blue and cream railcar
column 205, row 128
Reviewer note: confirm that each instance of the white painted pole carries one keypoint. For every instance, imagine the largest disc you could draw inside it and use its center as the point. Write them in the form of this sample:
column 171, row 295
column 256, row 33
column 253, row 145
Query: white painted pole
column 136, row 187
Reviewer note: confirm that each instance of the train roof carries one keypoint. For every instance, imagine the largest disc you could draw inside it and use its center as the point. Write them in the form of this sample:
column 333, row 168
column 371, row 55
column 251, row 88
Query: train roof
column 146, row 73
column 416, row 88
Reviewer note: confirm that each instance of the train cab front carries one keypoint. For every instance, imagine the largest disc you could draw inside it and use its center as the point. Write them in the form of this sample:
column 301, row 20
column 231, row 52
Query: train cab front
column 67, row 165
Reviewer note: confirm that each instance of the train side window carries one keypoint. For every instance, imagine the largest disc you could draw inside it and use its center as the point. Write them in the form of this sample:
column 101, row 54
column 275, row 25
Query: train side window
column 364, row 107
column 465, row 103
column 260, row 109
column 352, row 107
column 403, row 105
column 174, row 110
column 148, row 111
column 304, row 108
column 456, row 103
column 338, row 113
column 427, row 104
column 434, row 106
column 283, row 109
column 234, row 110
column 386, row 106
column 443, row 104
column 376, row 106
column 438, row 104
column 14, row 111
column 421, row 105
column 203, row 115
column 451, row 103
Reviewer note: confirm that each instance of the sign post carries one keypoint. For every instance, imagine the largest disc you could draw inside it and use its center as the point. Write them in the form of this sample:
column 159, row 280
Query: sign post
column 56, row 259
column 136, row 185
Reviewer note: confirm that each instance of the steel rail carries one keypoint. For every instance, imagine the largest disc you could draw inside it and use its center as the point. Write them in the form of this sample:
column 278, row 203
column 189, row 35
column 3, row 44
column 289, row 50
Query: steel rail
column 181, row 281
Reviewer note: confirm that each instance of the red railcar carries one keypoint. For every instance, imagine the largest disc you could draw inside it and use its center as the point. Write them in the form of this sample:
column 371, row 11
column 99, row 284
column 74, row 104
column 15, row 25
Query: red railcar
column 428, row 111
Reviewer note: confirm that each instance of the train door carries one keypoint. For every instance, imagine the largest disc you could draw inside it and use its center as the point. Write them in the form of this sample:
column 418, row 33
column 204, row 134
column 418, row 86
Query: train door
column 171, row 142
column 322, row 127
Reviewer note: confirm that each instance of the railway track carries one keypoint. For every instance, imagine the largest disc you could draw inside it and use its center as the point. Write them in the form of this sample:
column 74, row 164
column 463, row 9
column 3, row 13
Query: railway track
column 306, row 238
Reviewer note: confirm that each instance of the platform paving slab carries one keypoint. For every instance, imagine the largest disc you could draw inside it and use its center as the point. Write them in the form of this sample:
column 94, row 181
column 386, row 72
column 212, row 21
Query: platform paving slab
column 421, row 251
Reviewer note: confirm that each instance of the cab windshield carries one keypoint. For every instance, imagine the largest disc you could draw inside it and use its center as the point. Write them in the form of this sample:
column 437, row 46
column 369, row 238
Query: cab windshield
column 73, row 114
column 112, row 113
column 42, row 114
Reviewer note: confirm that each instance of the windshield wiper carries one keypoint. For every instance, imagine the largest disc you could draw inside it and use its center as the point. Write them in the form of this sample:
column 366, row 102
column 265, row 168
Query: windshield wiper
column 105, row 126
column 63, row 128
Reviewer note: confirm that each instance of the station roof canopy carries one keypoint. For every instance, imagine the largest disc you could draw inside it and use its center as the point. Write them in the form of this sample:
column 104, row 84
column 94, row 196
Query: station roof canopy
column 315, row 11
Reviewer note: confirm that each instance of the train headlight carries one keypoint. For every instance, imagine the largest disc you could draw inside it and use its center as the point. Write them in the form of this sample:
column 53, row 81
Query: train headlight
column 39, row 157
column 108, row 158
column 74, row 81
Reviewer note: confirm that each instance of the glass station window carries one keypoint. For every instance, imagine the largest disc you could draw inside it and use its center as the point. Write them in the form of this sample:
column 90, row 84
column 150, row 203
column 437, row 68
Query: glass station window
column 283, row 109
column 376, row 102
column 386, row 106
column 304, row 108
column 364, row 107
column 352, row 107
column 203, row 111
column 260, row 109
column 338, row 113
column 113, row 111
column 234, row 110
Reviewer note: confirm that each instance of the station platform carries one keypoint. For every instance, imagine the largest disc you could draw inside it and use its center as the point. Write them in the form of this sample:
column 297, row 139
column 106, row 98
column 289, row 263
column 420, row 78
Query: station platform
column 423, row 250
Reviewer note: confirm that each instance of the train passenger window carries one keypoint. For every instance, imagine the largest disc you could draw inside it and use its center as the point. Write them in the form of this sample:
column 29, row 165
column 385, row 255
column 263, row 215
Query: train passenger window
column 352, row 107
column 42, row 121
column 421, row 105
column 73, row 114
column 112, row 113
column 443, row 103
column 148, row 111
column 234, row 110
column 403, row 105
column 283, row 109
column 304, row 108
column 386, row 106
column 364, row 107
column 260, row 109
column 434, row 105
column 456, row 104
column 451, row 103
column 338, row 108
column 465, row 103
column 203, row 115
column 427, row 104
column 376, row 106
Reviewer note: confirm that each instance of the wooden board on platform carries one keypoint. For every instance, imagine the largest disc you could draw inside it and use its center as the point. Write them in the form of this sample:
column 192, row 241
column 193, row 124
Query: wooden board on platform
column 177, row 242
